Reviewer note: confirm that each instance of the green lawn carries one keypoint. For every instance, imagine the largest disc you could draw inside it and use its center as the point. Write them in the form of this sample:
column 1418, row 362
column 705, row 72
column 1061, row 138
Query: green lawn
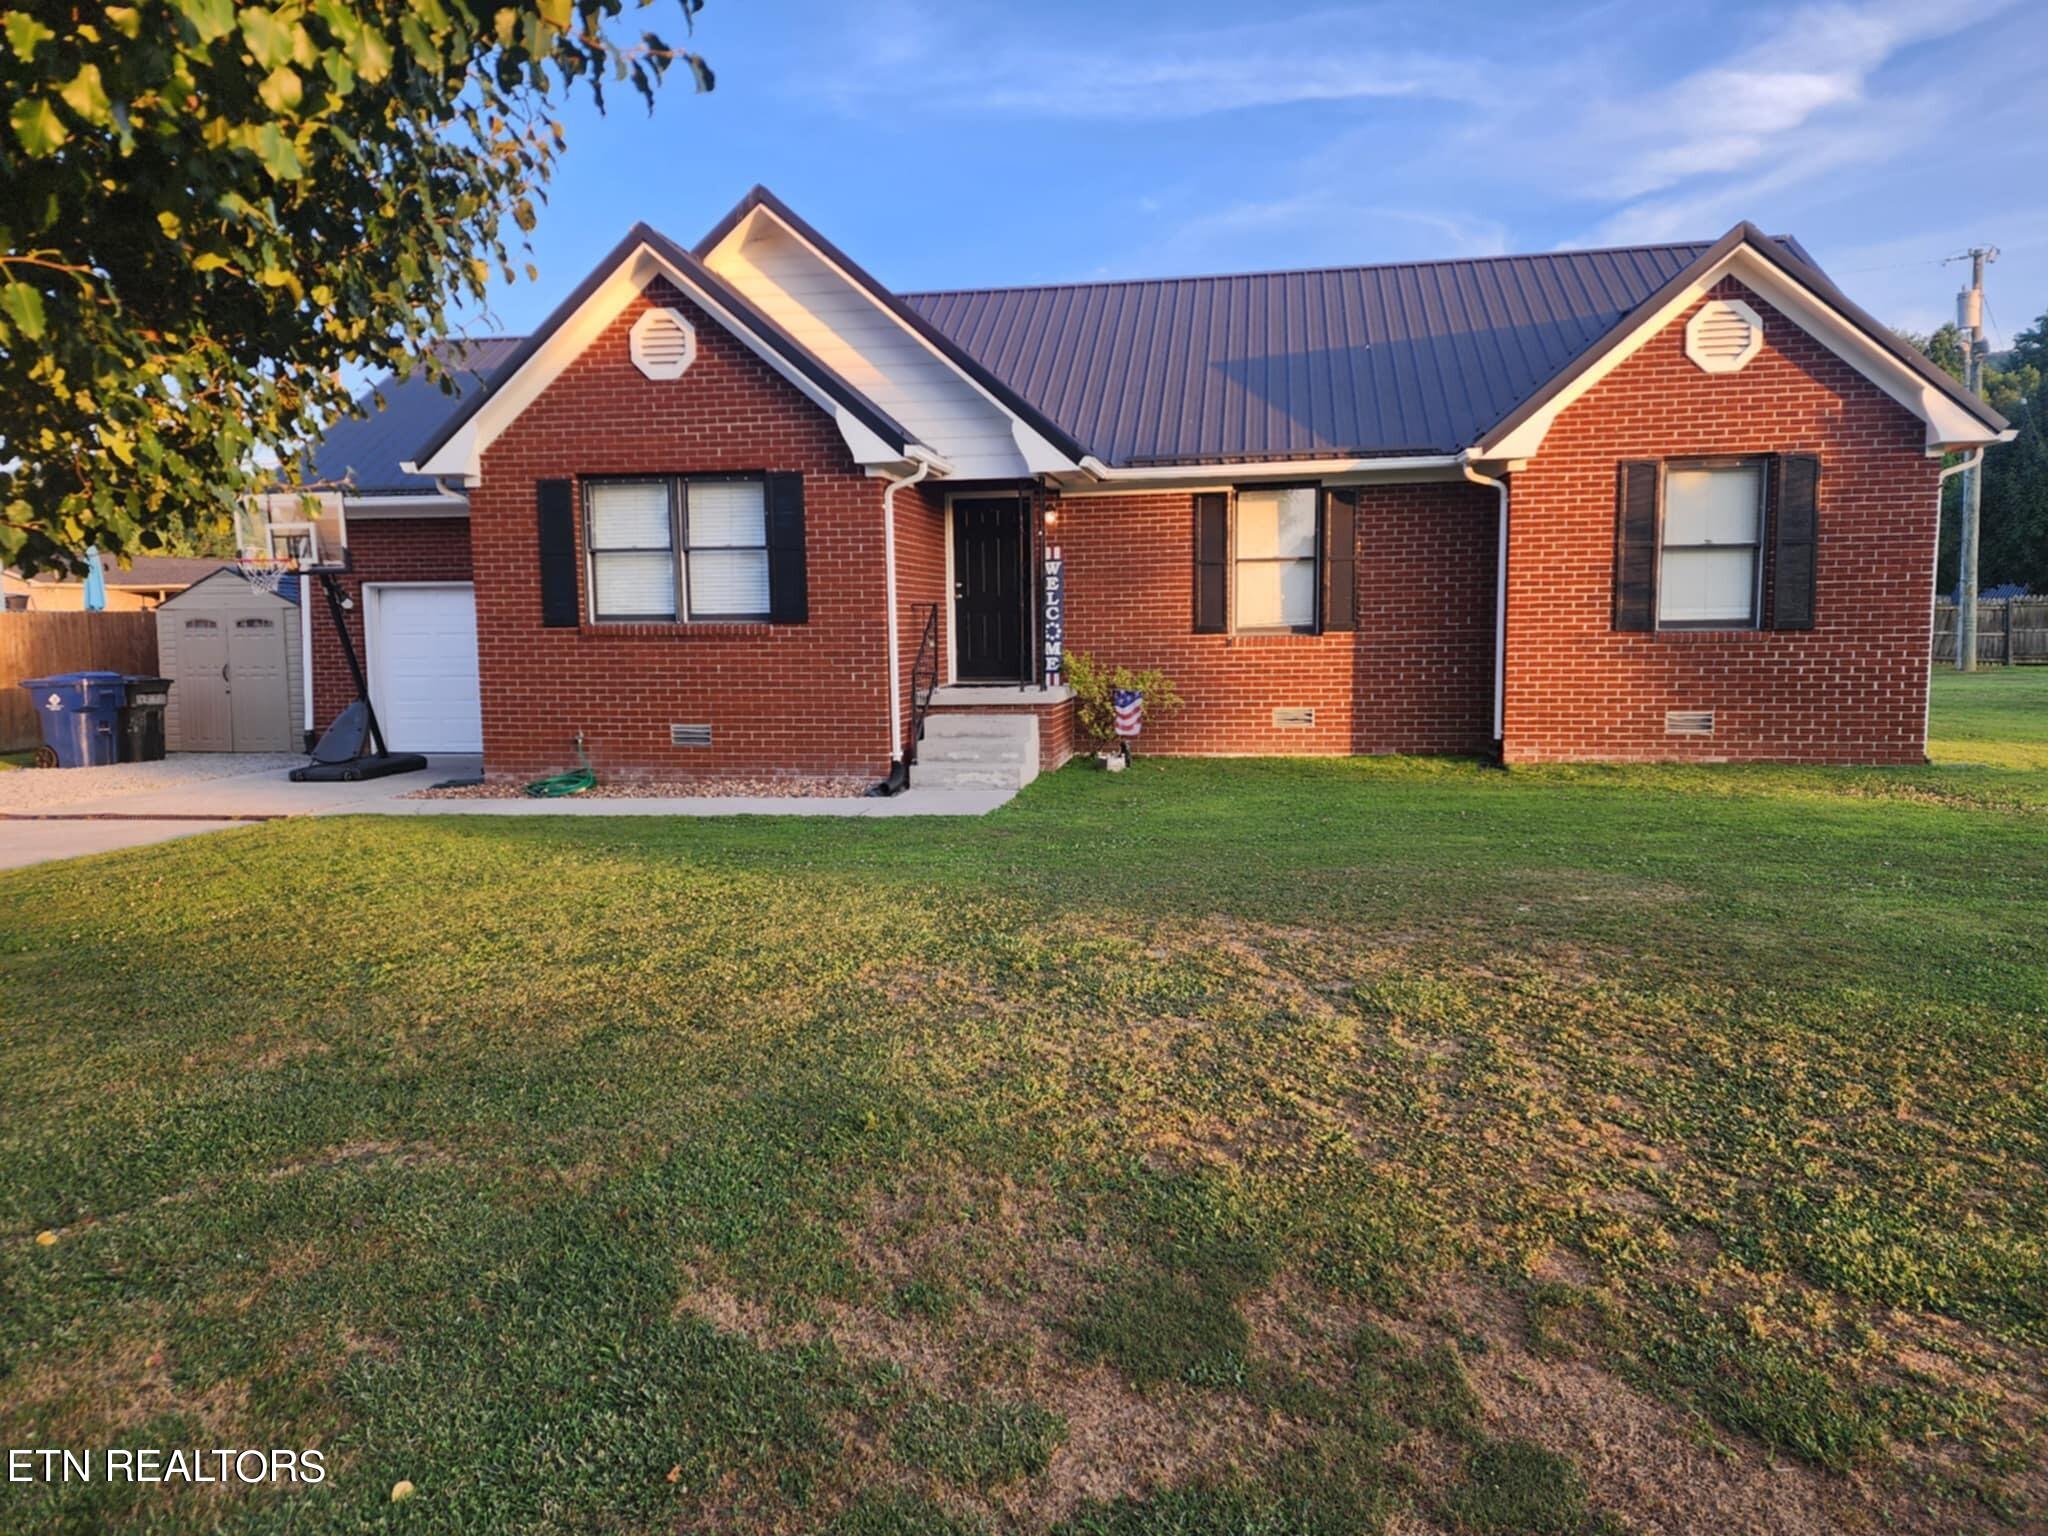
column 1230, row 1147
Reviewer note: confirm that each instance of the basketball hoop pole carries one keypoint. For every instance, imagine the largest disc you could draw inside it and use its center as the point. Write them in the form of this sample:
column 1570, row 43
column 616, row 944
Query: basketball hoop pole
column 339, row 611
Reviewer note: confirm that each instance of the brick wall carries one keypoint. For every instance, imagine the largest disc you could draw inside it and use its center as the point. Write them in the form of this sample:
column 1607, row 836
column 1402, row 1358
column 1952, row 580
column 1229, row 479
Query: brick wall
column 380, row 549
column 1417, row 676
column 1853, row 689
column 800, row 699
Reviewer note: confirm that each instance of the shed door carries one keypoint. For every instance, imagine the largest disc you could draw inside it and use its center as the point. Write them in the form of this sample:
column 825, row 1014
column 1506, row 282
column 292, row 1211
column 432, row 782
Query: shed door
column 199, row 690
column 259, row 685
column 423, row 675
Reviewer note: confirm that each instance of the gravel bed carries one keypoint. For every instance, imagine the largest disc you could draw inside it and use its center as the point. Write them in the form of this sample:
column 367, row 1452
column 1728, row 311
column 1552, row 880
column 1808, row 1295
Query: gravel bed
column 43, row 789
column 781, row 788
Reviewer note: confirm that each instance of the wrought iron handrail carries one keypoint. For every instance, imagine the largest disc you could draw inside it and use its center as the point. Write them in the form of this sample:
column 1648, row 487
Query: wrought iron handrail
column 924, row 678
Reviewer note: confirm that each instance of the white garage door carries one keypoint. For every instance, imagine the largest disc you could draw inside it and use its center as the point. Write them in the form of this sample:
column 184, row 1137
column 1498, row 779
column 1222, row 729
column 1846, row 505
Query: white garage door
column 423, row 667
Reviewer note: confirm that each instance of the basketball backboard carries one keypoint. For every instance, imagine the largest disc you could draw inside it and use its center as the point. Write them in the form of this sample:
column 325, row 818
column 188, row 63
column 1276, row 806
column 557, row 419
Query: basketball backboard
column 307, row 529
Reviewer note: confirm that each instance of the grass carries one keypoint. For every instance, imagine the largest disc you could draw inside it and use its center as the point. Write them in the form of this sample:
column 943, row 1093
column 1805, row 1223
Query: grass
column 1214, row 1148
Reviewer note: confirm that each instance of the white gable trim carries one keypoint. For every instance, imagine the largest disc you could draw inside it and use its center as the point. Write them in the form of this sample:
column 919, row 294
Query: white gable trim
column 460, row 459
column 1948, row 424
column 1040, row 456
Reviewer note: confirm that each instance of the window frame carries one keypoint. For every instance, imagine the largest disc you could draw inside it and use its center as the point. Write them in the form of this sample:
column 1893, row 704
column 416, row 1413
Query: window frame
column 1314, row 626
column 1758, row 547
column 678, row 548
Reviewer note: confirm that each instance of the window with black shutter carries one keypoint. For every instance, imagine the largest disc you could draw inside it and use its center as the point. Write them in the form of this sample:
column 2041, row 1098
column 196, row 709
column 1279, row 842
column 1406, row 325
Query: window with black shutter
column 1795, row 533
column 555, row 512
column 1212, row 563
column 1698, row 543
column 694, row 549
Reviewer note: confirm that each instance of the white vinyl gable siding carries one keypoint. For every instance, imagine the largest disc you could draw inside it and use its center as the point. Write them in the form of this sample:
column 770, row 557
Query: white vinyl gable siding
column 871, row 349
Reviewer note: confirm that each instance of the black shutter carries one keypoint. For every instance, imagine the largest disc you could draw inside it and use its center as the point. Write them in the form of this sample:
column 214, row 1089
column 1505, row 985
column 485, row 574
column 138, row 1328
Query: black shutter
column 789, row 591
column 1635, row 547
column 555, row 506
column 1795, row 528
column 1212, row 563
column 1339, row 597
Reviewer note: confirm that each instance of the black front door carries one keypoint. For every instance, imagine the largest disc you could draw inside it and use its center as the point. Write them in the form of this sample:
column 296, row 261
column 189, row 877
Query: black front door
column 988, row 589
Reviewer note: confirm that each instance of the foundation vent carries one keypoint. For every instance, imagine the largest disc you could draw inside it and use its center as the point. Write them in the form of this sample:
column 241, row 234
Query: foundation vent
column 1294, row 719
column 1688, row 722
column 689, row 735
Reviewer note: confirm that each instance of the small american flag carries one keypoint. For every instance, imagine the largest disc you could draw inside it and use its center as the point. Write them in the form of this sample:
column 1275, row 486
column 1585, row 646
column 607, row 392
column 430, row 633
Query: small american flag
column 1130, row 711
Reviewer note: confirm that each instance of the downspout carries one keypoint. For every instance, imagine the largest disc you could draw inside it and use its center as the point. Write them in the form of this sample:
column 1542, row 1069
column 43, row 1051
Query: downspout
column 1500, row 601
column 1968, row 461
column 924, row 467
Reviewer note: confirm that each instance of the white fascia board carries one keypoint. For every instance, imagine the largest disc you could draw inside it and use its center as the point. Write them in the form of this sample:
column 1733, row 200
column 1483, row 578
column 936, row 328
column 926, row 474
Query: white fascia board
column 1947, row 423
column 461, row 457
column 1040, row 456
column 1100, row 479
column 425, row 504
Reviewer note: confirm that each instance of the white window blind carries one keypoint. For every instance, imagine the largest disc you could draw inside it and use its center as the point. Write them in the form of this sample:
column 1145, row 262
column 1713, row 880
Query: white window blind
column 1713, row 535
column 1276, row 558
column 639, row 570
column 632, row 550
column 727, row 525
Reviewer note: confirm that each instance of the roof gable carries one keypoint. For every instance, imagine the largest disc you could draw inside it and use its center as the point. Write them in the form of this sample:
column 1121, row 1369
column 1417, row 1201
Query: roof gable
column 456, row 448
column 835, row 307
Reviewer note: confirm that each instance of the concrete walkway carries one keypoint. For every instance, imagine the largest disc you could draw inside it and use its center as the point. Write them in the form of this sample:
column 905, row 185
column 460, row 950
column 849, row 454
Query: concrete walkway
column 128, row 809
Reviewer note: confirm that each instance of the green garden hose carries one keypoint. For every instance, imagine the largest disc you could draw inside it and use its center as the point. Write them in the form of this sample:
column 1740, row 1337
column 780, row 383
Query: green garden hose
column 559, row 784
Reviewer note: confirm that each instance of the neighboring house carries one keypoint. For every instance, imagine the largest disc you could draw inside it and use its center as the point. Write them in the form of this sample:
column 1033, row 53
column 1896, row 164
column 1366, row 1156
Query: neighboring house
column 1661, row 502
column 142, row 584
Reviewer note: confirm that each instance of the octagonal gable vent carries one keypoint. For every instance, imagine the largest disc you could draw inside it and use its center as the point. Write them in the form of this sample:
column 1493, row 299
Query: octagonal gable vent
column 664, row 344
column 1725, row 334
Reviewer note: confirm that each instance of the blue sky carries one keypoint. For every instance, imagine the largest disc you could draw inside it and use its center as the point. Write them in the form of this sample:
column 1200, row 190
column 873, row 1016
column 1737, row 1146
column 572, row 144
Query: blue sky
column 969, row 144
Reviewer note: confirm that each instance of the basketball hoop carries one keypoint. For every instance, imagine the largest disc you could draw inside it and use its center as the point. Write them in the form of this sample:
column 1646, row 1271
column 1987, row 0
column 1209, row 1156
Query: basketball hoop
column 266, row 573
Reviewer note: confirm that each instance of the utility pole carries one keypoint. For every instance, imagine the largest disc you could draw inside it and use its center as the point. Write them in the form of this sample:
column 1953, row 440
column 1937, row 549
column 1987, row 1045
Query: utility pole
column 1970, row 321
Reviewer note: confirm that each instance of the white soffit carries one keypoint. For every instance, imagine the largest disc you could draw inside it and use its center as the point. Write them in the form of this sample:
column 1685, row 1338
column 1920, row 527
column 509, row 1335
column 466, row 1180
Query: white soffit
column 1947, row 423
column 819, row 303
column 461, row 457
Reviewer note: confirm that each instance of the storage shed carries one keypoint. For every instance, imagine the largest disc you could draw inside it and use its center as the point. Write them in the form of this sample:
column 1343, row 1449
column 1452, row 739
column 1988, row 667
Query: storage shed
column 232, row 652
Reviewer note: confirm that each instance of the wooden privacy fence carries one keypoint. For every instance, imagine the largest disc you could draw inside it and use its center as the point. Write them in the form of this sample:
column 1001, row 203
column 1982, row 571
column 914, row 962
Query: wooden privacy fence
column 2011, row 631
column 37, row 644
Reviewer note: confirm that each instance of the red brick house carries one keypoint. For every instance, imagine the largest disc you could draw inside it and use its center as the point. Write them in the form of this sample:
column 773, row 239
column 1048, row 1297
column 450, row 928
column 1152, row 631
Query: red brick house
column 741, row 509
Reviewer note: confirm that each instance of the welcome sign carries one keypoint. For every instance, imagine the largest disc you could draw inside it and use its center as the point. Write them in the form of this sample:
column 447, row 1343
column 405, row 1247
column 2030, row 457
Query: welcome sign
column 1055, row 623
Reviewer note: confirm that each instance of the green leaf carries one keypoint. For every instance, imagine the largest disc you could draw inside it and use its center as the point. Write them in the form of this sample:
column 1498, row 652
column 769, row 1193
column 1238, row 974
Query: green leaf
column 24, row 306
column 37, row 125
column 373, row 55
column 281, row 89
column 25, row 34
column 210, row 19
column 279, row 156
column 269, row 40
column 86, row 96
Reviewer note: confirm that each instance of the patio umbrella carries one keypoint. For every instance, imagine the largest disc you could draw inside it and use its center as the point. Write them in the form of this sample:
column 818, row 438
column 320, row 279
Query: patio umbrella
column 95, row 583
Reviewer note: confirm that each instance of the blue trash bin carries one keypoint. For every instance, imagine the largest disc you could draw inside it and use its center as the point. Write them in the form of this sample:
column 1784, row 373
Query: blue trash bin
column 80, row 714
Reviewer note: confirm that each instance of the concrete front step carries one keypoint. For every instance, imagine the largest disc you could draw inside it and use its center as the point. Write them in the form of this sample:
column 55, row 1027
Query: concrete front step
column 977, row 751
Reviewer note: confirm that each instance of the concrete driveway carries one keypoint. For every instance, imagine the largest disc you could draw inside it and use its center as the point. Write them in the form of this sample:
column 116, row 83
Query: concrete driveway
column 62, row 813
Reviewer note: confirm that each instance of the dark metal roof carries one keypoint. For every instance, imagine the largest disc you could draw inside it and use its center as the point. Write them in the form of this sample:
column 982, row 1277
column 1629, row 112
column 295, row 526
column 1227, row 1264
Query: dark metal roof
column 1405, row 358
column 366, row 451
column 1413, row 358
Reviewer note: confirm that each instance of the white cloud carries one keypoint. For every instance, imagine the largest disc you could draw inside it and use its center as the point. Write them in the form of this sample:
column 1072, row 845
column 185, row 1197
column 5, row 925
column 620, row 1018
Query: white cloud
column 967, row 65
